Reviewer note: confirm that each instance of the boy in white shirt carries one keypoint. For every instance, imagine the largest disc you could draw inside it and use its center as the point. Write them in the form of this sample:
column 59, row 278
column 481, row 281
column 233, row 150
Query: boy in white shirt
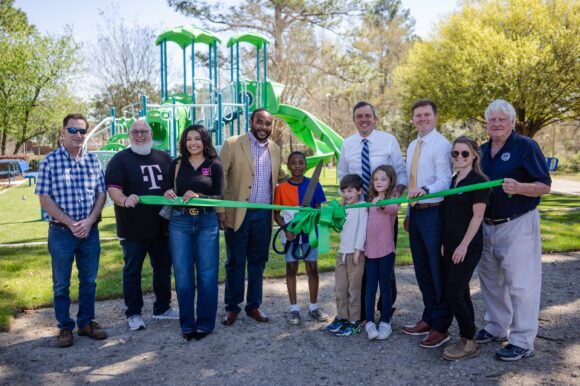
column 350, row 261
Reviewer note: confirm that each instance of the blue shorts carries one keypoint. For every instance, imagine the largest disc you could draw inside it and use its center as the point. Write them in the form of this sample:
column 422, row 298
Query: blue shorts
column 300, row 251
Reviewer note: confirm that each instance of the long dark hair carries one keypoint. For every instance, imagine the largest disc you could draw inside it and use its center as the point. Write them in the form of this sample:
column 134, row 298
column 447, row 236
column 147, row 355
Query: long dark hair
column 209, row 151
column 391, row 174
column 474, row 148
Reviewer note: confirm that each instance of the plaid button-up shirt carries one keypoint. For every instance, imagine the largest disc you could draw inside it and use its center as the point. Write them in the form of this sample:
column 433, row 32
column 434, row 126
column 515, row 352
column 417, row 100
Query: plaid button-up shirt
column 262, row 184
column 72, row 183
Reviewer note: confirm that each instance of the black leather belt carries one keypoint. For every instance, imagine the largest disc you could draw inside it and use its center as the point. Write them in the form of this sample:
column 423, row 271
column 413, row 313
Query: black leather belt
column 194, row 210
column 58, row 224
column 497, row 221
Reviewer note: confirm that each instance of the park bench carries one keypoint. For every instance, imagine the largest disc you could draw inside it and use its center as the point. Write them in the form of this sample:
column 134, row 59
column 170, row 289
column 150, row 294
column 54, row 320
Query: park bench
column 8, row 168
column 552, row 163
column 25, row 172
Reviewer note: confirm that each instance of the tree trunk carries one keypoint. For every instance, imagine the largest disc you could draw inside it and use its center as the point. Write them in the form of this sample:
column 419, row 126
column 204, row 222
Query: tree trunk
column 4, row 136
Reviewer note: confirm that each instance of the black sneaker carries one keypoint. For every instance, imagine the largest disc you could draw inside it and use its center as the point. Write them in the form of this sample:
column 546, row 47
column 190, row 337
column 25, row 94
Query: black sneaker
column 483, row 337
column 512, row 353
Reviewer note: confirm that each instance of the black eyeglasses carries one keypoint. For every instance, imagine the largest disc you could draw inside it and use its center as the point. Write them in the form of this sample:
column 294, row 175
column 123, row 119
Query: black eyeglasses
column 140, row 132
column 464, row 154
column 74, row 130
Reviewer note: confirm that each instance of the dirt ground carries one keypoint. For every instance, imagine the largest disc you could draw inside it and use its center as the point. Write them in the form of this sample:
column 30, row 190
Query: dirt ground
column 276, row 353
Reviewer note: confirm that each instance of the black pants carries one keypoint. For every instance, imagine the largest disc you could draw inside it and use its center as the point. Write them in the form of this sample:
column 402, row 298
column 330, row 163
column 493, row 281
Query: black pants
column 393, row 286
column 457, row 292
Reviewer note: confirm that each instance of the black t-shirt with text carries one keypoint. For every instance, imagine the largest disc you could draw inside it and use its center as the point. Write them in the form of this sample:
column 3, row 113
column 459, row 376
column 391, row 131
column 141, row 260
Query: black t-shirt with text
column 141, row 175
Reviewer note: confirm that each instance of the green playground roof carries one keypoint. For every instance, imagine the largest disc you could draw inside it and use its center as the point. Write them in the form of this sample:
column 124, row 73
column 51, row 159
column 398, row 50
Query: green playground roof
column 254, row 38
column 187, row 34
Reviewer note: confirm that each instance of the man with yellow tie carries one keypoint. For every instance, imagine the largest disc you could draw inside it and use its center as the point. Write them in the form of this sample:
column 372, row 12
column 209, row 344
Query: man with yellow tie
column 429, row 171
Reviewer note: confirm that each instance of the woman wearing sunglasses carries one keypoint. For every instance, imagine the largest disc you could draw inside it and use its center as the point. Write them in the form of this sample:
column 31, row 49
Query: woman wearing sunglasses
column 463, row 243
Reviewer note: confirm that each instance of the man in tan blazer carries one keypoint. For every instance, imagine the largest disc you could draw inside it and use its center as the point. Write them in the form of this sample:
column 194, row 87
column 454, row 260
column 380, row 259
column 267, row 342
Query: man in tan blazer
column 251, row 165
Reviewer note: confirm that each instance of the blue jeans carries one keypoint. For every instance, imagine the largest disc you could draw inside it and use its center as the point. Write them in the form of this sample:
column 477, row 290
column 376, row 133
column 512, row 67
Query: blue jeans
column 134, row 253
column 301, row 250
column 64, row 247
column 379, row 272
column 425, row 234
column 194, row 244
column 249, row 244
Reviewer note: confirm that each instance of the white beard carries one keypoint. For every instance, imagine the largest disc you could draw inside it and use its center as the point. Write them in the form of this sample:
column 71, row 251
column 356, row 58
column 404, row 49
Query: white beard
column 142, row 149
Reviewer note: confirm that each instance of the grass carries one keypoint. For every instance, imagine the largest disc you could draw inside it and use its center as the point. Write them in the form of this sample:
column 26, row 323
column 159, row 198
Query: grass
column 25, row 275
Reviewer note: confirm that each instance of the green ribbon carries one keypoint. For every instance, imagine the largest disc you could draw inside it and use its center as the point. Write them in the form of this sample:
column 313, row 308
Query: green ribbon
column 329, row 216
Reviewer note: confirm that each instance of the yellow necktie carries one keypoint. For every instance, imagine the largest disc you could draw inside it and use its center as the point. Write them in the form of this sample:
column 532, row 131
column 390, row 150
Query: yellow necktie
column 414, row 167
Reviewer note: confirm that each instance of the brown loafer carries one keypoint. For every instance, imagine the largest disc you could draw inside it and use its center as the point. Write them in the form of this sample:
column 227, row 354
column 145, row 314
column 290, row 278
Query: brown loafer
column 435, row 339
column 421, row 328
column 65, row 338
column 93, row 330
column 257, row 314
column 230, row 318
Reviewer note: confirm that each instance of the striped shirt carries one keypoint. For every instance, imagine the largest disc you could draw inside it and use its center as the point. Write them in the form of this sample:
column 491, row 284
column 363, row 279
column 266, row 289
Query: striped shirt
column 72, row 183
column 262, row 184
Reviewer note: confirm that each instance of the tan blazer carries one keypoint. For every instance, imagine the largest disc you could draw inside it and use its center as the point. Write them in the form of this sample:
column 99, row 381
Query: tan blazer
column 238, row 164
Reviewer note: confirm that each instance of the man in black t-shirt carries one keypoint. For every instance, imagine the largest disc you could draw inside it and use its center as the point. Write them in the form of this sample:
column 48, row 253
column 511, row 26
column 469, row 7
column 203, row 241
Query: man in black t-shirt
column 141, row 170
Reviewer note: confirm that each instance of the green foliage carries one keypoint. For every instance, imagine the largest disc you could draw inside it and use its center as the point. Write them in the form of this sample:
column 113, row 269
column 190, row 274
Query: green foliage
column 32, row 67
column 524, row 51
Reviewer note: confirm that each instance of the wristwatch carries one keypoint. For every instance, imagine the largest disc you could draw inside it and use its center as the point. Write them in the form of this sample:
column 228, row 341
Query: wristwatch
column 426, row 189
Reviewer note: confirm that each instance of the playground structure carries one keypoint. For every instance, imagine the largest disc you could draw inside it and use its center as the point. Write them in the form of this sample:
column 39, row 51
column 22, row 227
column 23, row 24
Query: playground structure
column 223, row 108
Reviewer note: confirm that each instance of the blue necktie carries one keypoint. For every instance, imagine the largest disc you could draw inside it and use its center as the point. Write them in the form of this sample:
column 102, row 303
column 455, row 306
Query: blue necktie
column 366, row 166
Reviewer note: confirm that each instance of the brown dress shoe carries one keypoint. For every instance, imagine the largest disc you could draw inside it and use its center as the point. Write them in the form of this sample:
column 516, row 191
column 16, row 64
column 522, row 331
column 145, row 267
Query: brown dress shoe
column 93, row 330
column 258, row 315
column 230, row 318
column 463, row 349
column 421, row 328
column 435, row 339
column 65, row 338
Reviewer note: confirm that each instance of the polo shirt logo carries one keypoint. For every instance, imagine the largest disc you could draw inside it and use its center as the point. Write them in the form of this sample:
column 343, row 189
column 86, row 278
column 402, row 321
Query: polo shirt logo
column 505, row 156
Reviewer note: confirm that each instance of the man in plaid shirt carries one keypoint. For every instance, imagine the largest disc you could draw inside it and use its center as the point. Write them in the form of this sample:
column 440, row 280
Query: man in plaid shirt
column 71, row 190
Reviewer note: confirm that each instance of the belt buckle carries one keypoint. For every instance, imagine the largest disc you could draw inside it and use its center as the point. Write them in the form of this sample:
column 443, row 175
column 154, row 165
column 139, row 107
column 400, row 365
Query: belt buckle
column 193, row 211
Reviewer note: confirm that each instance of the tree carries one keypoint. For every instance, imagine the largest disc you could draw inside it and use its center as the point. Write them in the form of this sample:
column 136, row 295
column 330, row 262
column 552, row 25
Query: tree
column 125, row 61
column 31, row 68
column 524, row 51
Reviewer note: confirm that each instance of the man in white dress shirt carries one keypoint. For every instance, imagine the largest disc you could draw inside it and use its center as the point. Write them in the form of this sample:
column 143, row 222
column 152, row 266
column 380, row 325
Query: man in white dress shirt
column 429, row 171
column 383, row 149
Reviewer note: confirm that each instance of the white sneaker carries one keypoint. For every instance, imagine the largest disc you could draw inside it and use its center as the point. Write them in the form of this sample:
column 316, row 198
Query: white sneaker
column 136, row 323
column 385, row 330
column 170, row 314
column 371, row 330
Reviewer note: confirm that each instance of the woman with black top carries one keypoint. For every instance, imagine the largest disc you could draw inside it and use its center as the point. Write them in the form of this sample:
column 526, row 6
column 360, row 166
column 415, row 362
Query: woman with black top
column 463, row 243
column 194, row 231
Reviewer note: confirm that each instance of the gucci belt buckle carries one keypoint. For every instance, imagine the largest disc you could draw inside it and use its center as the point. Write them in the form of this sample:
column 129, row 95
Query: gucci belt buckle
column 193, row 211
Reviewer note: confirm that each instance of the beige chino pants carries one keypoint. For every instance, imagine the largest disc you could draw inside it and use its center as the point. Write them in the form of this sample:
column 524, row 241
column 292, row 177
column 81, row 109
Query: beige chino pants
column 347, row 286
column 510, row 272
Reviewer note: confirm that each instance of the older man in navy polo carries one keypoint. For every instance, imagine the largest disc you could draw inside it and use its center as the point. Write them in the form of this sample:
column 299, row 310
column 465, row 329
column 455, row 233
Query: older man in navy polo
column 510, row 269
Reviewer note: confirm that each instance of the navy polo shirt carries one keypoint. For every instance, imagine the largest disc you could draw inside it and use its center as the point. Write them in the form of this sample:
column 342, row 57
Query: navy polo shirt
column 521, row 159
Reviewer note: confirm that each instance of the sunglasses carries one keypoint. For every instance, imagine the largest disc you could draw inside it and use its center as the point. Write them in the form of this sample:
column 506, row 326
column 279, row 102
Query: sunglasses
column 74, row 130
column 464, row 154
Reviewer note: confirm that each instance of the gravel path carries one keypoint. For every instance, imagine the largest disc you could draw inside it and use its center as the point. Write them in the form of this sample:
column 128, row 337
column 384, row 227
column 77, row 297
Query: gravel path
column 275, row 353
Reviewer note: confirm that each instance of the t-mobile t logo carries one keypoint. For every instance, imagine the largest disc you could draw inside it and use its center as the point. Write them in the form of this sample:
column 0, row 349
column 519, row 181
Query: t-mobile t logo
column 152, row 174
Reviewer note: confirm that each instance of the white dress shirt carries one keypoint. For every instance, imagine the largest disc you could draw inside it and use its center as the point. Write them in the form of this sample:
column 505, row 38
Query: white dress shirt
column 354, row 231
column 434, row 169
column 383, row 150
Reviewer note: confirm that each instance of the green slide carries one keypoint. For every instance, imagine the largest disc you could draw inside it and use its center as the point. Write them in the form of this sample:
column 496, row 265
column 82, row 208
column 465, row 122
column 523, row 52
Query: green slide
column 324, row 142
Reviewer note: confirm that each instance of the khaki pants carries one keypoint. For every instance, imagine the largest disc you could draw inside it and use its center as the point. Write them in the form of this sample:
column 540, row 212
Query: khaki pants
column 347, row 287
column 510, row 272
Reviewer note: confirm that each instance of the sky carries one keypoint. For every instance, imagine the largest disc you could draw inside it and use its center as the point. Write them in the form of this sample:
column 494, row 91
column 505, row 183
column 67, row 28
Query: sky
column 84, row 15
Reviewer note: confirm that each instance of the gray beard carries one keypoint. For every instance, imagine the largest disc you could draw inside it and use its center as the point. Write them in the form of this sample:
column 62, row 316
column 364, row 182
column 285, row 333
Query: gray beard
column 141, row 149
